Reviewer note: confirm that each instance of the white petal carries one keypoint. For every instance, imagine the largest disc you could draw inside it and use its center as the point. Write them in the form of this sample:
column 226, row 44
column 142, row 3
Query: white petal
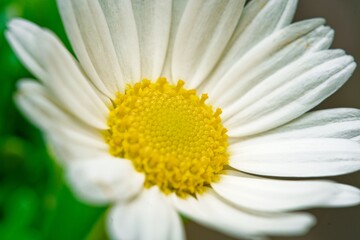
column 103, row 35
column 288, row 14
column 69, row 145
column 272, row 54
column 153, row 19
column 33, row 99
column 347, row 196
column 270, row 51
column 357, row 139
column 330, row 123
column 44, row 54
column 36, row 102
column 289, row 93
column 147, row 217
column 120, row 20
column 177, row 12
column 297, row 157
column 23, row 38
column 205, row 29
column 207, row 209
column 72, row 137
column 271, row 195
column 104, row 179
column 260, row 18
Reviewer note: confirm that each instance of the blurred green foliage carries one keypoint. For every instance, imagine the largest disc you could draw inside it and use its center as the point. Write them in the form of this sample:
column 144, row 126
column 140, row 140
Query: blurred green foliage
column 35, row 203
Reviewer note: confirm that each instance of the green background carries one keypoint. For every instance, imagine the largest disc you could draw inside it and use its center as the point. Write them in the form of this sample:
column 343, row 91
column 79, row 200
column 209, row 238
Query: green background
column 35, row 203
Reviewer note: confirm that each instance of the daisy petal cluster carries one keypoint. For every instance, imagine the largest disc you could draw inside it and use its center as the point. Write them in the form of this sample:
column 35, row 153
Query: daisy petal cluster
column 194, row 108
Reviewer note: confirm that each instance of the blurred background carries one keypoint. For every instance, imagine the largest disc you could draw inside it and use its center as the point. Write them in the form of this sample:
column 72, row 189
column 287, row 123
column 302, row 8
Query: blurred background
column 35, row 203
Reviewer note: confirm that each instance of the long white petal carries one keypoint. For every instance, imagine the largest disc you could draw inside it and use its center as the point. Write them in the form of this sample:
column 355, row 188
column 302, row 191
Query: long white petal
column 37, row 103
column 103, row 35
column 270, row 55
column 153, row 20
column 23, row 38
column 289, row 93
column 48, row 59
column 357, row 139
column 209, row 210
column 347, row 196
column 73, row 137
column 313, row 157
column 329, row 123
column 259, row 19
column 205, row 29
column 177, row 12
column 68, row 145
column 104, row 179
column 120, row 21
column 148, row 216
column 271, row 195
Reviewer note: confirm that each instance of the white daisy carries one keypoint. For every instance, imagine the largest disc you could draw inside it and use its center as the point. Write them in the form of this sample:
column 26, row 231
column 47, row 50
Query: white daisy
column 132, row 125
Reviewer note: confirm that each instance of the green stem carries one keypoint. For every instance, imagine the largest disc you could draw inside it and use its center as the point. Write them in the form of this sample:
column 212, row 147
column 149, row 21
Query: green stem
column 99, row 229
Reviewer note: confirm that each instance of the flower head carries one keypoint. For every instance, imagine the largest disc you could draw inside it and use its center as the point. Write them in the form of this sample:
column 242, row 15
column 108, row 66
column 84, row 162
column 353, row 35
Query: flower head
column 193, row 107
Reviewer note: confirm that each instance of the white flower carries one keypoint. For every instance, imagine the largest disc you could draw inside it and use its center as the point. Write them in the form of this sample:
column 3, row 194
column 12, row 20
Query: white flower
column 263, row 72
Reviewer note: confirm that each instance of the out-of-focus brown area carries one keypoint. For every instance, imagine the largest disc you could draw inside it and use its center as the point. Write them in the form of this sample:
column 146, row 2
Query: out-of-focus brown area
column 333, row 224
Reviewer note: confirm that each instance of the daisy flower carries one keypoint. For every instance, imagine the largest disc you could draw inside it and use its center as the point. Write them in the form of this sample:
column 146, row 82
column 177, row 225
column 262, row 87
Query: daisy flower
column 193, row 108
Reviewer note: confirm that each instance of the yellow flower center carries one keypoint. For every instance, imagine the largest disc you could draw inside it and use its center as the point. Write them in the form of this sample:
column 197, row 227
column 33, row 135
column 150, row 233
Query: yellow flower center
column 170, row 135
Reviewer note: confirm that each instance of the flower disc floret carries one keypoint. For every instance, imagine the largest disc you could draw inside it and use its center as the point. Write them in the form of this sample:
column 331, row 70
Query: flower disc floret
column 170, row 134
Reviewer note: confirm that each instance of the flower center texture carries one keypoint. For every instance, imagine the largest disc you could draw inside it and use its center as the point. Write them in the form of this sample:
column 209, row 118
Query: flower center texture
column 170, row 134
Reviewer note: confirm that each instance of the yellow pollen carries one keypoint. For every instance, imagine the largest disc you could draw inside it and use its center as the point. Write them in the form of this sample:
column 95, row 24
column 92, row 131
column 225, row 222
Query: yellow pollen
column 170, row 134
